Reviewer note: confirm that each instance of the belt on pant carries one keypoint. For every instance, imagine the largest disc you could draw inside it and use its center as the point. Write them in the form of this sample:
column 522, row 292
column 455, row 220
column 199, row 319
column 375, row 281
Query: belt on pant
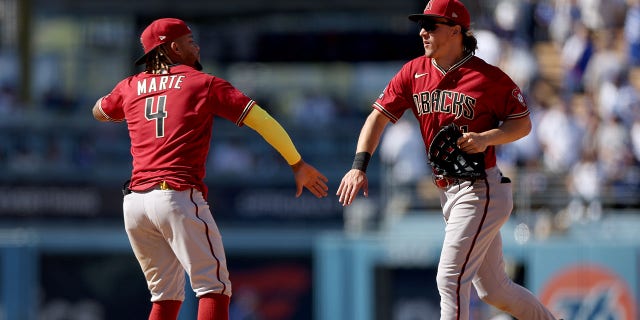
column 443, row 182
column 163, row 185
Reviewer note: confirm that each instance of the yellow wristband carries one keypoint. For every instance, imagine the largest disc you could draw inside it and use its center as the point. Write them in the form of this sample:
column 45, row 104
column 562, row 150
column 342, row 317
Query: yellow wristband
column 272, row 132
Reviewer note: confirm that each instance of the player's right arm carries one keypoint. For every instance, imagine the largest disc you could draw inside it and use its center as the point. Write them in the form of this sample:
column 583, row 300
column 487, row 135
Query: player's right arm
column 98, row 114
column 356, row 179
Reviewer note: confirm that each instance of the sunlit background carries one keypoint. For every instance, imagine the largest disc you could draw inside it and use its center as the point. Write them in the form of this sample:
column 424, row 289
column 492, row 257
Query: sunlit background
column 317, row 66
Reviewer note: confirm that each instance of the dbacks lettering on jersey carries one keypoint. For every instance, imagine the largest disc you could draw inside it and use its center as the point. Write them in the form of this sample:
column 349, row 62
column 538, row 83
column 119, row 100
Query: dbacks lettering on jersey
column 445, row 101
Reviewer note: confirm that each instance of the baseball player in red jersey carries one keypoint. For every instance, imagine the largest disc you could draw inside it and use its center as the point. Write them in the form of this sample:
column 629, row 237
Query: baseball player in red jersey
column 449, row 84
column 169, row 110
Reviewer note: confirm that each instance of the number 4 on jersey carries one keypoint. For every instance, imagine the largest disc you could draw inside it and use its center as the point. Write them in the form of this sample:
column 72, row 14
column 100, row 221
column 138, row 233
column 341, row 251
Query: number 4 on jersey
column 158, row 115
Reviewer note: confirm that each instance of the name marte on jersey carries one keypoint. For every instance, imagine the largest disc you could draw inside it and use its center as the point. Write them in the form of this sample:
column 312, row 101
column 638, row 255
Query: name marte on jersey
column 445, row 101
column 153, row 84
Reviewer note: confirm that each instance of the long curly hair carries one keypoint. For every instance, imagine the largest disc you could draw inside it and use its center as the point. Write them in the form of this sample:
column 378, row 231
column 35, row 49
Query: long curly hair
column 158, row 60
column 469, row 41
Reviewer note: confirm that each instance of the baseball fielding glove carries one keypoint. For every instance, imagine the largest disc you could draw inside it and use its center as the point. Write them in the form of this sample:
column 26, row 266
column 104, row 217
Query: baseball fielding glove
column 447, row 160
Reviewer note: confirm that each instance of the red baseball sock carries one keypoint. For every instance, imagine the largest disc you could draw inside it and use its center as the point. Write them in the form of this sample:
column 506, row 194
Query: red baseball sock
column 213, row 306
column 165, row 310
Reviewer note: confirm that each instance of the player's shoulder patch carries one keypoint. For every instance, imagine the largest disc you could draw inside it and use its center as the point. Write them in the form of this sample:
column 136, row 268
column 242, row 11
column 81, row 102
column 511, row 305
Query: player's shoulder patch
column 518, row 95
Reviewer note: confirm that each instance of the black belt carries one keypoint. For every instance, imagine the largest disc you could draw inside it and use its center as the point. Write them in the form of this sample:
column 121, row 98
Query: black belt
column 125, row 188
column 163, row 185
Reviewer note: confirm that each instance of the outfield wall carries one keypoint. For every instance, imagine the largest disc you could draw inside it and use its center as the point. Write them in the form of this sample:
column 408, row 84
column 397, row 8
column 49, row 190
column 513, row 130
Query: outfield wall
column 591, row 272
column 303, row 273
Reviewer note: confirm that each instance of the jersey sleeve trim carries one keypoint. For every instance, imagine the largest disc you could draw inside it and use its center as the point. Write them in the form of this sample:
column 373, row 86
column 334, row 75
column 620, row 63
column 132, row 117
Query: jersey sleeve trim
column 519, row 115
column 247, row 108
column 384, row 111
column 106, row 115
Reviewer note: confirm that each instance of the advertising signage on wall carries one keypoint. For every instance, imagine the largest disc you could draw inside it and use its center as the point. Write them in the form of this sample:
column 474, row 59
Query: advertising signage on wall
column 233, row 203
column 589, row 291
column 579, row 281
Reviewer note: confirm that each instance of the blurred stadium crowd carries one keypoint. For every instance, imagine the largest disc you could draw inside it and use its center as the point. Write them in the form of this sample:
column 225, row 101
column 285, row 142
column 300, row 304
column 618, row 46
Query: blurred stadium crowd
column 579, row 64
column 577, row 61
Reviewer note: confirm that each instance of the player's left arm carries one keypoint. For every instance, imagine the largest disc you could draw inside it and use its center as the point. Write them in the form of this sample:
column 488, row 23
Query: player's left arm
column 271, row 131
column 510, row 130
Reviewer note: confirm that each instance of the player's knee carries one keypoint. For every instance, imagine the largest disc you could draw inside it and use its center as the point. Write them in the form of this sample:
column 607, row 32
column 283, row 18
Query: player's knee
column 495, row 298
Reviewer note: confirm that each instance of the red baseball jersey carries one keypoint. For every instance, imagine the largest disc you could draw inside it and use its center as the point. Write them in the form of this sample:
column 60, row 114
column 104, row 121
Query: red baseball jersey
column 170, row 121
column 474, row 94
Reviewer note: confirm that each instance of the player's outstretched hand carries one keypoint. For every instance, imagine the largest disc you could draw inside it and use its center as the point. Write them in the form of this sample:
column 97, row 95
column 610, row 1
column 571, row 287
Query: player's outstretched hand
column 351, row 183
column 309, row 177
